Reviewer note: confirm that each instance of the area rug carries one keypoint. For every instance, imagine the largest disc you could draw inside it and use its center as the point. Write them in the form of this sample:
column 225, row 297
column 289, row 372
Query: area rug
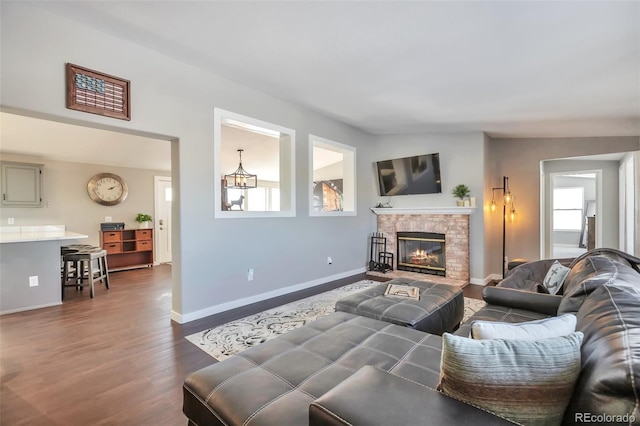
column 234, row 337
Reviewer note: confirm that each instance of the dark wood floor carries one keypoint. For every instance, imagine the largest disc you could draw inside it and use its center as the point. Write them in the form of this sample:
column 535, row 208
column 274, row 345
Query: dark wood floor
column 116, row 359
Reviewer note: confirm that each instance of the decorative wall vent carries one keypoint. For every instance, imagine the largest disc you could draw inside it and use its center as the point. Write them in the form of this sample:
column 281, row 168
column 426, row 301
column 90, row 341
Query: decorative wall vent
column 97, row 93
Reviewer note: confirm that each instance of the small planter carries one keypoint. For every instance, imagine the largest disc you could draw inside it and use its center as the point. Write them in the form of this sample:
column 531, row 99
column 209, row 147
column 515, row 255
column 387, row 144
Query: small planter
column 461, row 192
column 144, row 221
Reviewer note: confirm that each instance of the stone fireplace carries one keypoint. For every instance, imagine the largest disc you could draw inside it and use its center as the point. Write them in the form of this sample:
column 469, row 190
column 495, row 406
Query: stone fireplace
column 452, row 222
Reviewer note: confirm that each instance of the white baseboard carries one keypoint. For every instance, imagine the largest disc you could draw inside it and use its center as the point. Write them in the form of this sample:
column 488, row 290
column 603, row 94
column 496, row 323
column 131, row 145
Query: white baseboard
column 485, row 281
column 30, row 308
column 227, row 306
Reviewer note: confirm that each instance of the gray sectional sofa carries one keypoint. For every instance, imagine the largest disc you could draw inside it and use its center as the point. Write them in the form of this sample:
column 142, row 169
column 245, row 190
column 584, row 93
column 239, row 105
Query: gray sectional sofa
column 345, row 369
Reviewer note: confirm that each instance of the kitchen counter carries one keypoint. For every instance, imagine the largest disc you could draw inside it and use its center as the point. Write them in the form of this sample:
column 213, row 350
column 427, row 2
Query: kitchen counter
column 23, row 234
column 30, row 266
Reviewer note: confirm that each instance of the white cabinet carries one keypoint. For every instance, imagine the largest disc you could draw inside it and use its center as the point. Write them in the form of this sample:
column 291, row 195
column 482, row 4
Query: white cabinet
column 21, row 184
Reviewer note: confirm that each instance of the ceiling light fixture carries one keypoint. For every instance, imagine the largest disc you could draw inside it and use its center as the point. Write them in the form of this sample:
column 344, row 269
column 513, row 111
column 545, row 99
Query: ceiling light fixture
column 240, row 179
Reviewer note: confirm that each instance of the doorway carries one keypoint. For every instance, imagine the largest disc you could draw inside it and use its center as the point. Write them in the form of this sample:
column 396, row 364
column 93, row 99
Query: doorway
column 573, row 228
column 163, row 197
column 89, row 148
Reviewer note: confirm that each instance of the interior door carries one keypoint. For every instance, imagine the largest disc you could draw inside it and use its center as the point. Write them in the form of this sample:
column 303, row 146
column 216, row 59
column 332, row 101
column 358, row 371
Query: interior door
column 162, row 223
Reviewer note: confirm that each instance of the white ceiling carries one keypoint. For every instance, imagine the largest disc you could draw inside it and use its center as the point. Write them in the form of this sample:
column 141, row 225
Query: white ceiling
column 52, row 140
column 511, row 69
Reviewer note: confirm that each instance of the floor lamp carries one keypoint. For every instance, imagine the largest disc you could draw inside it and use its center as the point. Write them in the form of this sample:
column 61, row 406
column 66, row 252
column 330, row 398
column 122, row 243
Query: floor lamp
column 507, row 200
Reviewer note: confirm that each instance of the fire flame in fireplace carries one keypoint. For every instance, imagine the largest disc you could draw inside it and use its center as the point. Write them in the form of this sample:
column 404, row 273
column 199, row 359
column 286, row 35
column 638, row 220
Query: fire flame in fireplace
column 421, row 257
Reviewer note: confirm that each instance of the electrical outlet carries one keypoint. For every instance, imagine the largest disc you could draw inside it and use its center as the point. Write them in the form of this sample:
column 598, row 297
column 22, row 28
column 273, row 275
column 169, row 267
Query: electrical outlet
column 329, row 260
column 11, row 221
column 49, row 203
column 33, row 281
column 250, row 274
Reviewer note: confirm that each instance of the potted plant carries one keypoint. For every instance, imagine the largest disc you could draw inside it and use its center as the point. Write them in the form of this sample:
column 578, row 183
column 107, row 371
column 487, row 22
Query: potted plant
column 461, row 191
column 144, row 220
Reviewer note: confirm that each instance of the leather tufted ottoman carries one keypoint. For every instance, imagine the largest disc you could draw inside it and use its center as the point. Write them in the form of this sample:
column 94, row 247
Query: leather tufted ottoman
column 440, row 308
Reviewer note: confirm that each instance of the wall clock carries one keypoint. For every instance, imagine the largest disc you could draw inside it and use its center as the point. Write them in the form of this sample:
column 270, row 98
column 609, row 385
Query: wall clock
column 107, row 189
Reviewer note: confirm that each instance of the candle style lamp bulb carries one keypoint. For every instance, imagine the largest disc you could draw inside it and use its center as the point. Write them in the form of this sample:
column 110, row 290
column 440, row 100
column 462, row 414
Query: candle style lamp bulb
column 513, row 215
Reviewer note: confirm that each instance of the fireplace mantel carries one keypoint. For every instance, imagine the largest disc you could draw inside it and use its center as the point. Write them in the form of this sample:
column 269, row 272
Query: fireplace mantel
column 424, row 210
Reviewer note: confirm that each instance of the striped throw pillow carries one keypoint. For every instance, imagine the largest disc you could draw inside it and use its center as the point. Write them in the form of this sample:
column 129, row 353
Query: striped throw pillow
column 528, row 382
column 530, row 330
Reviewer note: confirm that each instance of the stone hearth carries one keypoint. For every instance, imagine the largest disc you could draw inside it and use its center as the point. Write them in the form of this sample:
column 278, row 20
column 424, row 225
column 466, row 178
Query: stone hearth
column 451, row 221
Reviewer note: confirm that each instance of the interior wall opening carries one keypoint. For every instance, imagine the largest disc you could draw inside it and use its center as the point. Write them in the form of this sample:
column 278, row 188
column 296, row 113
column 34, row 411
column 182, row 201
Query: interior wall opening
column 253, row 167
column 71, row 140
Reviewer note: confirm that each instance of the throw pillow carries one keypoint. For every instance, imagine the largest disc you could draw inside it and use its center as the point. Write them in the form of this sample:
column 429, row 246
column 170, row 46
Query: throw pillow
column 528, row 382
column 530, row 330
column 555, row 277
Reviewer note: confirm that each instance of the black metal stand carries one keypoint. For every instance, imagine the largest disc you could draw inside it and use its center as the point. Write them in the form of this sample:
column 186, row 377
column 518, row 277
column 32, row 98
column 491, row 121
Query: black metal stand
column 380, row 259
column 505, row 190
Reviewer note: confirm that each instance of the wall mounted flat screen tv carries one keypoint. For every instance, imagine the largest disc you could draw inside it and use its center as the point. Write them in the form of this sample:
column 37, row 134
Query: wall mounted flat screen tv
column 409, row 175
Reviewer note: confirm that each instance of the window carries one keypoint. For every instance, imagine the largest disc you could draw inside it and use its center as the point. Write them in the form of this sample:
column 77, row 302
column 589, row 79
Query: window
column 260, row 199
column 568, row 204
column 333, row 175
column 263, row 149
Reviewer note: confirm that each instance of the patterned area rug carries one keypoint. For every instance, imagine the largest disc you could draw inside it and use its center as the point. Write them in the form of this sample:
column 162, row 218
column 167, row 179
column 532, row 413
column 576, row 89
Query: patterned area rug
column 231, row 338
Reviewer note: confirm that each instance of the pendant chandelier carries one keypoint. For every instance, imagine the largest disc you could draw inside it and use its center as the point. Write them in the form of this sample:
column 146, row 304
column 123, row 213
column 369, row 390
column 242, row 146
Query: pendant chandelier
column 240, row 179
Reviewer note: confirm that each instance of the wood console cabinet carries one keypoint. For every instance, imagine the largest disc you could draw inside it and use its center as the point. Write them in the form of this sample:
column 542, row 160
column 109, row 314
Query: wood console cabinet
column 128, row 248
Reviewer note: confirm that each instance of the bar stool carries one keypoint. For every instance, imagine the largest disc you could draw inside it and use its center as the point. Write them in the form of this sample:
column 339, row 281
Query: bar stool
column 78, row 267
column 72, row 267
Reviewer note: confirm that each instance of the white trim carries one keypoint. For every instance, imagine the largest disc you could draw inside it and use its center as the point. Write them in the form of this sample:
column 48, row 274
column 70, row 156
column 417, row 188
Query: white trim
column 329, row 144
column 329, row 214
column 227, row 306
column 219, row 116
column 30, row 308
column 237, row 214
column 485, row 281
column 543, row 213
column 424, row 210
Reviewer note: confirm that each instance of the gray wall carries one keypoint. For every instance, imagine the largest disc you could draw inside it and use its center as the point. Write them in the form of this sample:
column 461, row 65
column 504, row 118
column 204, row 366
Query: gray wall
column 66, row 201
column 492, row 230
column 462, row 160
column 519, row 159
column 173, row 100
